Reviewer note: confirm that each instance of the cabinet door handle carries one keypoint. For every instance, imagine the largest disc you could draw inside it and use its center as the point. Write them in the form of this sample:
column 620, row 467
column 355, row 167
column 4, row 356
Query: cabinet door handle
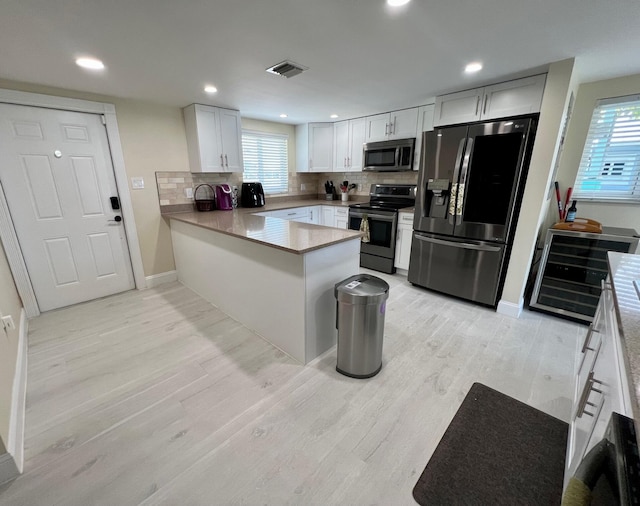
column 348, row 162
column 386, row 129
column 486, row 100
column 477, row 104
column 584, row 398
column 587, row 339
column 221, row 162
column 345, row 161
column 226, row 161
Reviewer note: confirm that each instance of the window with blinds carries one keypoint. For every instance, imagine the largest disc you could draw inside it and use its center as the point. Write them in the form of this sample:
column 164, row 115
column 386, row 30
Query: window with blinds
column 610, row 165
column 266, row 160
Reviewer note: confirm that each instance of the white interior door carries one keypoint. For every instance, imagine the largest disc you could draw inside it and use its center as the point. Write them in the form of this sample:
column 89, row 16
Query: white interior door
column 57, row 176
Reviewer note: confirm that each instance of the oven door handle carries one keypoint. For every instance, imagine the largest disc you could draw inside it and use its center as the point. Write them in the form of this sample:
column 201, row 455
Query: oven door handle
column 463, row 245
column 370, row 216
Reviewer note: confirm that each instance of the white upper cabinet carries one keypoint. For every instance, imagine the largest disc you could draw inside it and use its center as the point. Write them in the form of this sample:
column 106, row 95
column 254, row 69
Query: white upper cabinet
column 512, row 98
column 231, row 137
column 314, row 147
column 340, row 145
column 348, row 138
column 425, row 124
column 377, row 127
column 425, row 118
column 523, row 96
column 462, row 107
column 214, row 139
column 392, row 125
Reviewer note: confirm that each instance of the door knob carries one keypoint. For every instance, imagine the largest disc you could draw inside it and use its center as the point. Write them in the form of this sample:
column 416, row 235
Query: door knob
column 117, row 219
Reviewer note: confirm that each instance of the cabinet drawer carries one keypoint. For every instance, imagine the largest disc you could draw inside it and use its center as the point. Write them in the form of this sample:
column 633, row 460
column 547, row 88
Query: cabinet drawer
column 342, row 212
column 406, row 218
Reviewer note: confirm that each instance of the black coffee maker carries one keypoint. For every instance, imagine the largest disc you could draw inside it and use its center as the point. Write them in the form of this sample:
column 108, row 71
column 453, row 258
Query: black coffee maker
column 252, row 195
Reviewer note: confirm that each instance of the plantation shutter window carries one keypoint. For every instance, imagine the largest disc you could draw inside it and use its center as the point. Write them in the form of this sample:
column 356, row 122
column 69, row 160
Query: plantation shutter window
column 266, row 160
column 610, row 165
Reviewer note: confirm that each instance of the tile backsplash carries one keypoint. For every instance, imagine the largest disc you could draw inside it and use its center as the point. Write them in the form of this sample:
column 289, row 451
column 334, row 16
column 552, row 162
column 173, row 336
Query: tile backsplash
column 172, row 186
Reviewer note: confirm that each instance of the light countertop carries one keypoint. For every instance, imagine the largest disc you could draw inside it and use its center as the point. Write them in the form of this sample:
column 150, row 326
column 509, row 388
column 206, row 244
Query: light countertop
column 625, row 269
column 291, row 236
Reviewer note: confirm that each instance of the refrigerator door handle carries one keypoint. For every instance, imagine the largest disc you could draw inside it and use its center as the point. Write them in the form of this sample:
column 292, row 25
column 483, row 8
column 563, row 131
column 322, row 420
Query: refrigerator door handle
column 465, row 160
column 454, row 182
column 463, row 245
column 463, row 179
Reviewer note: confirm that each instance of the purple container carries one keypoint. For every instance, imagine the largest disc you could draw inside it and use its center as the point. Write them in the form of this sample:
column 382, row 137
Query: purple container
column 224, row 197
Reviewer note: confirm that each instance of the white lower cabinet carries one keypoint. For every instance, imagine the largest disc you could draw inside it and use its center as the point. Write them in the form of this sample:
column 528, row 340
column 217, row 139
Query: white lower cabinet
column 404, row 235
column 293, row 214
column 341, row 217
column 328, row 218
column 315, row 215
column 600, row 386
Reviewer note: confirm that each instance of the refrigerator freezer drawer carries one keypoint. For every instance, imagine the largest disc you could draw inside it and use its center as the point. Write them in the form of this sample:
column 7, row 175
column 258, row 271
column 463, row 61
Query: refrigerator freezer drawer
column 467, row 269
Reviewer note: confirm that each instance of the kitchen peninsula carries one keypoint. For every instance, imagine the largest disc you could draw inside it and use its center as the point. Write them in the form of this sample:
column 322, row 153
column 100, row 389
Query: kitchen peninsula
column 272, row 275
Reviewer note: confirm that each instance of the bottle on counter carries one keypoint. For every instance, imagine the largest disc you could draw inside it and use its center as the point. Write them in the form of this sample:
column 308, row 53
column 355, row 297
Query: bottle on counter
column 571, row 213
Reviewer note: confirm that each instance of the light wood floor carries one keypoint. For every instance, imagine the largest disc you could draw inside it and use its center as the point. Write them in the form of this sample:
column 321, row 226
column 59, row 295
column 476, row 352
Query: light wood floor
column 156, row 397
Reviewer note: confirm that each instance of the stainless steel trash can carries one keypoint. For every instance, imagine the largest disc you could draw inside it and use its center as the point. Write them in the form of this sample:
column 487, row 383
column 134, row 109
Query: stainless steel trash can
column 360, row 308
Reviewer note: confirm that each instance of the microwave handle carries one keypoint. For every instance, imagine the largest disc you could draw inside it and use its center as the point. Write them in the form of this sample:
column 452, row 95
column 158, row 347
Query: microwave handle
column 398, row 155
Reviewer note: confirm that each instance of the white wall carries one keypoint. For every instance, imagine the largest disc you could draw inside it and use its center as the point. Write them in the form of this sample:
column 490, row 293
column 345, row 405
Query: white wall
column 614, row 215
column 10, row 304
column 534, row 203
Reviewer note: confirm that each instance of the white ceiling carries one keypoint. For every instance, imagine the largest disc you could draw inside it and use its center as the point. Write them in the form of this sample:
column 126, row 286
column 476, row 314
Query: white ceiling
column 363, row 57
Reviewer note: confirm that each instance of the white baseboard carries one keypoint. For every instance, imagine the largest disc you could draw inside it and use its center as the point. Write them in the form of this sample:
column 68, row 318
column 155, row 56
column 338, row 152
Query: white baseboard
column 510, row 309
column 12, row 462
column 162, row 278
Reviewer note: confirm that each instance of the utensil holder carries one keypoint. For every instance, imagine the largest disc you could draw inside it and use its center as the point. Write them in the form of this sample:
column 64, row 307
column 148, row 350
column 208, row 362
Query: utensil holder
column 345, row 197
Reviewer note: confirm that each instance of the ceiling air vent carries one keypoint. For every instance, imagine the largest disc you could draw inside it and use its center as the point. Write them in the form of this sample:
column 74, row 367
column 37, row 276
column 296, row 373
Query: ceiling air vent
column 287, row 69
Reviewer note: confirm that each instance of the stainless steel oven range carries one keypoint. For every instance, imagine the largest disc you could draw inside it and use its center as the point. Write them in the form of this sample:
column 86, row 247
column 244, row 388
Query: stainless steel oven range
column 381, row 213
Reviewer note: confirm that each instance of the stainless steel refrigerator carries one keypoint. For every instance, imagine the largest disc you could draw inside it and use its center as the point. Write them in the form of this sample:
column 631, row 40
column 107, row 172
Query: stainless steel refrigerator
column 469, row 191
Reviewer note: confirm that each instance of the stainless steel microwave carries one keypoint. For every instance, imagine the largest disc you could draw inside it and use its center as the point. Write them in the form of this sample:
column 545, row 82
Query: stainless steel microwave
column 389, row 156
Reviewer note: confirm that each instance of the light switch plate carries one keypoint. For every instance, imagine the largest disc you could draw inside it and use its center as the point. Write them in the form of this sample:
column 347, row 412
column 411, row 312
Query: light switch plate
column 137, row 183
column 188, row 192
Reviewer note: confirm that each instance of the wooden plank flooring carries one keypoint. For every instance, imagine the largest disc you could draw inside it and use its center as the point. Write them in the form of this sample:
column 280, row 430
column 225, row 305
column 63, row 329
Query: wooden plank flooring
column 156, row 397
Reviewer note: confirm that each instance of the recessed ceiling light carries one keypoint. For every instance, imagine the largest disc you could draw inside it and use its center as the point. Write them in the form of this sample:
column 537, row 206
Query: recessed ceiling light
column 334, row 116
column 397, row 3
column 283, row 116
column 473, row 67
column 210, row 89
column 90, row 63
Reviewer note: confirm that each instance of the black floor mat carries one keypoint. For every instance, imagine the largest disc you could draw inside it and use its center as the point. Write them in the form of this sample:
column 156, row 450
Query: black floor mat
column 496, row 450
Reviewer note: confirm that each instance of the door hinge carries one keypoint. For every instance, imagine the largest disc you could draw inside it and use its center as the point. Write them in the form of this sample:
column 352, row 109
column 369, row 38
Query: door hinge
column 104, row 119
